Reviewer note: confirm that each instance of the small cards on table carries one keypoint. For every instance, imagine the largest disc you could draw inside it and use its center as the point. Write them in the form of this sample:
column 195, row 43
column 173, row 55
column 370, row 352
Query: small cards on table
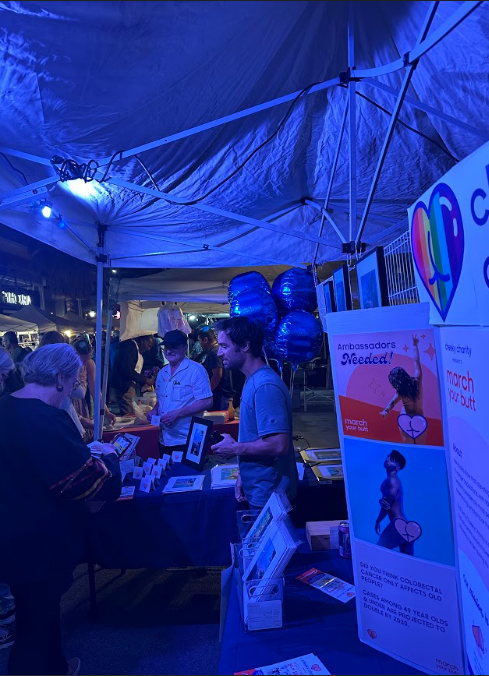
column 177, row 456
column 127, row 493
column 330, row 585
column 155, row 420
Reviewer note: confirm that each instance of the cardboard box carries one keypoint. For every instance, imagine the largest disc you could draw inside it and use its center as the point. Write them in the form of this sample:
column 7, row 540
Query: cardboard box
column 322, row 535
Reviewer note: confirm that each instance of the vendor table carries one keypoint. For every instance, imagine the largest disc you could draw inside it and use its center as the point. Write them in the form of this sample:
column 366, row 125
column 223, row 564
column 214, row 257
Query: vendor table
column 313, row 623
column 157, row 530
column 148, row 444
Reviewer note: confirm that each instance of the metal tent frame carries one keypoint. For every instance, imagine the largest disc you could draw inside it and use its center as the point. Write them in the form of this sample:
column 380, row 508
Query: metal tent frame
column 352, row 79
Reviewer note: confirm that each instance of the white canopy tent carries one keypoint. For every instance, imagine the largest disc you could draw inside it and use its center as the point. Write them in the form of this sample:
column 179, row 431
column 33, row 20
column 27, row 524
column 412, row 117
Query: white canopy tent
column 232, row 134
column 8, row 323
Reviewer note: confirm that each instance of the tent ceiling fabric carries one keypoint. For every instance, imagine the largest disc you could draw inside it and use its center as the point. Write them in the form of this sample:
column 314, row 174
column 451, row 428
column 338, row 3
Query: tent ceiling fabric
column 87, row 79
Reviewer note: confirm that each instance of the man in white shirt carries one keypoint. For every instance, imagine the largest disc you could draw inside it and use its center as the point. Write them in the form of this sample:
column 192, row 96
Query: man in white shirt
column 182, row 390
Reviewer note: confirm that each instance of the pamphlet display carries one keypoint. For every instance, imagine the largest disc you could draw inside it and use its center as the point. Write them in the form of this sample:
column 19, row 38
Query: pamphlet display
column 391, row 432
column 465, row 386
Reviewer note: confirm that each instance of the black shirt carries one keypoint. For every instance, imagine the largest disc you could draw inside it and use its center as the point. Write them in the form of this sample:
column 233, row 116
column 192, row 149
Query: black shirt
column 124, row 375
column 224, row 389
column 46, row 474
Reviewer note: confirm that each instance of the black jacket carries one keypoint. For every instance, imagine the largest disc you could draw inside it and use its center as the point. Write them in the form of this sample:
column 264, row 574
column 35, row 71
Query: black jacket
column 124, row 375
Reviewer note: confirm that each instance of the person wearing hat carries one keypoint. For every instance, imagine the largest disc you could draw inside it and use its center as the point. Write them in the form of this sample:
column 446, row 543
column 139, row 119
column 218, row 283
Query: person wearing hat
column 182, row 390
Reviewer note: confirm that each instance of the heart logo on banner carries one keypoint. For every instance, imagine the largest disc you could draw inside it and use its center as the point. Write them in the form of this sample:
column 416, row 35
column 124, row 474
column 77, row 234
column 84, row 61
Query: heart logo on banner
column 412, row 425
column 408, row 530
column 437, row 240
column 371, row 633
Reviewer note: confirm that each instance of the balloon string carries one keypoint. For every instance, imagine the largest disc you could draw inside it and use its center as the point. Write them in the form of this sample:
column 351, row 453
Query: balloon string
column 266, row 358
column 294, row 370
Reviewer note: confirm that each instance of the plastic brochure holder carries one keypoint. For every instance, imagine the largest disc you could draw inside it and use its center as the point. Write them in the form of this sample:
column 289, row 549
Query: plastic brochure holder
column 261, row 606
column 246, row 518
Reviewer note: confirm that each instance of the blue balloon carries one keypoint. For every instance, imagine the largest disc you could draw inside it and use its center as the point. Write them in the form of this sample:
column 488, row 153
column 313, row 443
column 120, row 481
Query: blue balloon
column 247, row 281
column 258, row 306
column 294, row 289
column 298, row 337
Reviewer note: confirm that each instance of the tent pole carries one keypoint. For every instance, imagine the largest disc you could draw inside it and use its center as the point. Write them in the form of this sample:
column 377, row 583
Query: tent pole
column 395, row 114
column 107, row 354
column 99, row 407
column 352, row 121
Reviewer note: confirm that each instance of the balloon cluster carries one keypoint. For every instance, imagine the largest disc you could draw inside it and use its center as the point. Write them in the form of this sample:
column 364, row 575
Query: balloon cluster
column 292, row 333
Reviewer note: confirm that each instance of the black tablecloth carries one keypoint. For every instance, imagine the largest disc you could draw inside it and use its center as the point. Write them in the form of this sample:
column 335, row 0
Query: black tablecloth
column 155, row 530
column 313, row 623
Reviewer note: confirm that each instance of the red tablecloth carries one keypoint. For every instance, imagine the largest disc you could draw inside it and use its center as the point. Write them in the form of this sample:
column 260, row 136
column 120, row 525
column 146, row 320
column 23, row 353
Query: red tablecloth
column 148, row 444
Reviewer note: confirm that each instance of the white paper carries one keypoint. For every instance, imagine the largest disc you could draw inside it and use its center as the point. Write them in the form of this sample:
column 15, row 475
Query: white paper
column 300, row 470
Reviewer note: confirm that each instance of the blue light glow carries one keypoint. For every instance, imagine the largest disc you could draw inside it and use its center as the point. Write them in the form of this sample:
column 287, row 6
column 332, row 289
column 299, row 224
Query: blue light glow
column 47, row 210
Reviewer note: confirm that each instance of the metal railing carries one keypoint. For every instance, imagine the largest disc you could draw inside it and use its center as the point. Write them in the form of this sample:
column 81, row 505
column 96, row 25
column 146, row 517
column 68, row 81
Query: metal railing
column 401, row 282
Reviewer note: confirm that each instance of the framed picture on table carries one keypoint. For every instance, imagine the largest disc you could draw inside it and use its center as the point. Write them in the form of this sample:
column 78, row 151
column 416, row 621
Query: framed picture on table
column 342, row 290
column 372, row 280
column 326, row 300
column 195, row 453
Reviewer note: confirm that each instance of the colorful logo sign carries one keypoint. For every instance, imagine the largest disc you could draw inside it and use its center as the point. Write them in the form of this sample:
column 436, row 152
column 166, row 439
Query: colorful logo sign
column 437, row 238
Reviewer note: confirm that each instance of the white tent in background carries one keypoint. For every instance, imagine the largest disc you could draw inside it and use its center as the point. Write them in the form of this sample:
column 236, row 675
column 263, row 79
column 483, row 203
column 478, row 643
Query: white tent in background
column 8, row 323
column 233, row 134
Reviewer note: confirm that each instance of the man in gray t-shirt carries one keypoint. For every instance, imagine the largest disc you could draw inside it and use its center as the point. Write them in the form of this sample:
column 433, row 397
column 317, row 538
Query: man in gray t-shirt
column 265, row 450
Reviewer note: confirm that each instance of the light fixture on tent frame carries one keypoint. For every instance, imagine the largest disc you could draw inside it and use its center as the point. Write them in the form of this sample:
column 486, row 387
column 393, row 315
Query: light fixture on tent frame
column 45, row 208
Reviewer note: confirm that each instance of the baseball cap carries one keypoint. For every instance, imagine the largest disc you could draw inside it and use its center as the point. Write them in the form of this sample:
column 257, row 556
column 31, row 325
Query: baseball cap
column 174, row 338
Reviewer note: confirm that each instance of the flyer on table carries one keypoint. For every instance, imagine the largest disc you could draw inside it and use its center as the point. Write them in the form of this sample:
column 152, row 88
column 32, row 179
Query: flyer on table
column 465, row 367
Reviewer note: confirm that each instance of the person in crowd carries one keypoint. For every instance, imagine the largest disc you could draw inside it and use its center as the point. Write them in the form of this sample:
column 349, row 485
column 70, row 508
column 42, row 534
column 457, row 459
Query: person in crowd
column 154, row 357
column 10, row 378
column 11, row 344
column 87, row 381
column 195, row 348
column 182, row 390
column 219, row 376
column 265, row 450
column 128, row 366
column 7, row 603
column 52, row 338
column 47, row 474
column 56, row 338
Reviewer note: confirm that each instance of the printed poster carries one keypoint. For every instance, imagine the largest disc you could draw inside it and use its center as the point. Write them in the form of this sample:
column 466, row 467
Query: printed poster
column 465, row 370
column 387, row 386
column 449, row 227
column 389, row 413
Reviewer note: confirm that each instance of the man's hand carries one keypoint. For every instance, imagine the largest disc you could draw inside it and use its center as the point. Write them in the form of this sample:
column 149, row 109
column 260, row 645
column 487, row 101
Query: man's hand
column 415, row 341
column 238, row 490
column 377, row 527
column 227, row 448
column 384, row 413
column 170, row 418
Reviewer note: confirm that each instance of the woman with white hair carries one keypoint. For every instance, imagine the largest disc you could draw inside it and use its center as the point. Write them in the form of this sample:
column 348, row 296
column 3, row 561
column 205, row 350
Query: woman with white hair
column 47, row 474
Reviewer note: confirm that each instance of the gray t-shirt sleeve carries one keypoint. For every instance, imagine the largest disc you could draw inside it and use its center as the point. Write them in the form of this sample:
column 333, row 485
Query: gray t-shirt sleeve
column 271, row 410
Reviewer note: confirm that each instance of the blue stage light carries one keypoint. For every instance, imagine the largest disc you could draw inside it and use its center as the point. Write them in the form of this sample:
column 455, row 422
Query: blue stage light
column 47, row 210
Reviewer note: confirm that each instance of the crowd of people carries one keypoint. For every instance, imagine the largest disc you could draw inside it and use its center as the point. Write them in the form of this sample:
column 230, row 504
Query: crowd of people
column 49, row 473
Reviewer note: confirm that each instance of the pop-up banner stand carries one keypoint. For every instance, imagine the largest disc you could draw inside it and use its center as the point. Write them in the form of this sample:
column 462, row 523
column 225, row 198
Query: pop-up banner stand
column 390, row 423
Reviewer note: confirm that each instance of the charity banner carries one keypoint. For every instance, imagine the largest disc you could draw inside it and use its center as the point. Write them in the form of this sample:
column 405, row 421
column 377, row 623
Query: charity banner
column 449, row 228
column 387, row 383
column 465, row 389
column 391, row 433
column 408, row 608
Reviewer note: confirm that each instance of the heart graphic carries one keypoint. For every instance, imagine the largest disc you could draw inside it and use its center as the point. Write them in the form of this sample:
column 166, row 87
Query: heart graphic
column 437, row 240
column 408, row 530
column 412, row 425
column 372, row 633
